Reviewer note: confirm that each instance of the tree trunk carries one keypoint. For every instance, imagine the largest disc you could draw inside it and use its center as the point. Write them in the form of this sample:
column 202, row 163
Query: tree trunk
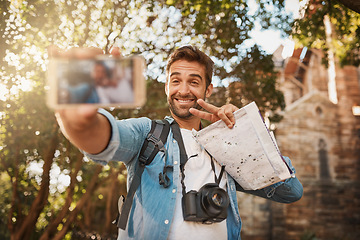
column 51, row 229
column 28, row 225
column 81, row 203
column 14, row 198
column 88, row 215
column 111, row 212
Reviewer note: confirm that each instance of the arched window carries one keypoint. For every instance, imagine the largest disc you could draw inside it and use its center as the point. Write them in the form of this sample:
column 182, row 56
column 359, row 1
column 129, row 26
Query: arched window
column 324, row 161
column 319, row 111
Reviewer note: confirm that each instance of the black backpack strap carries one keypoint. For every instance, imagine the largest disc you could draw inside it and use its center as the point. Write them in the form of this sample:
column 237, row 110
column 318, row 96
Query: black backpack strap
column 177, row 135
column 153, row 143
column 183, row 156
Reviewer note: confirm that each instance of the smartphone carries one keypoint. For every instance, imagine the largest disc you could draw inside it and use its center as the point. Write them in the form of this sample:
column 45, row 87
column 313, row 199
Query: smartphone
column 103, row 81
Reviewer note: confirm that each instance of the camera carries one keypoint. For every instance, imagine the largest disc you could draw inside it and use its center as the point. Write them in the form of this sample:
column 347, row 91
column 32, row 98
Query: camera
column 208, row 205
column 102, row 81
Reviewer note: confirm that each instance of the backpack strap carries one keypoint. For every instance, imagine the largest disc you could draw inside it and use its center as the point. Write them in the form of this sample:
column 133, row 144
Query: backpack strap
column 154, row 142
column 183, row 156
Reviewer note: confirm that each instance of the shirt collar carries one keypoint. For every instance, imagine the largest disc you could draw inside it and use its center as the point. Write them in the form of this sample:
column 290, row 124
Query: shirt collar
column 169, row 119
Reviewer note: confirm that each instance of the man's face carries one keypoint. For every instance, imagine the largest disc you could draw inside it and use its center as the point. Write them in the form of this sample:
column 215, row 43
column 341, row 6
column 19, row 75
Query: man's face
column 186, row 83
column 99, row 74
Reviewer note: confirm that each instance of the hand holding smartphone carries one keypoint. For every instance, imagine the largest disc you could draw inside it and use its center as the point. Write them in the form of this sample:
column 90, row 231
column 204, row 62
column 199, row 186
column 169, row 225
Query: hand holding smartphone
column 98, row 80
column 78, row 117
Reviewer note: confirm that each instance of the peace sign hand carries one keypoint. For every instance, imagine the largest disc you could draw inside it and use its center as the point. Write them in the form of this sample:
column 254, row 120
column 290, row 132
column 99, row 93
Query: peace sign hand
column 225, row 113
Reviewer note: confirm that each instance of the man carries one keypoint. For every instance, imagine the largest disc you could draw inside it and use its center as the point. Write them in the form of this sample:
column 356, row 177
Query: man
column 100, row 74
column 119, row 88
column 156, row 211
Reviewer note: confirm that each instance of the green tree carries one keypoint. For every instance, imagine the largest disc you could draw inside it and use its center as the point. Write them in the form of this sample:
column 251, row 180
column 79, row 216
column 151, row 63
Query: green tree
column 310, row 31
column 258, row 82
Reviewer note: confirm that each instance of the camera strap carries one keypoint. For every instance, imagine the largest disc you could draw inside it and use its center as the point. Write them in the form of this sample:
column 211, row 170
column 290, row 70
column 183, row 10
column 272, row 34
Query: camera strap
column 217, row 179
column 183, row 157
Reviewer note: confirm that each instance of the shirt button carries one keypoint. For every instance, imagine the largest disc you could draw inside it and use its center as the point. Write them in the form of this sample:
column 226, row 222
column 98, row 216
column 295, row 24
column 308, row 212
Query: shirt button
column 166, row 221
column 174, row 141
column 174, row 190
column 175, row 162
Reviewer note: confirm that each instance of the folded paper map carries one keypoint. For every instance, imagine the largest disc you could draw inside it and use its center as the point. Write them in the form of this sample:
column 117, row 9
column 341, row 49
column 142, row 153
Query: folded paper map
column 248, row 150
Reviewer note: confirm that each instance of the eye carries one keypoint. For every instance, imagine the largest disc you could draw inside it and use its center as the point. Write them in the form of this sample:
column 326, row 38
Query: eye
column 174, row 81
column 195, row 82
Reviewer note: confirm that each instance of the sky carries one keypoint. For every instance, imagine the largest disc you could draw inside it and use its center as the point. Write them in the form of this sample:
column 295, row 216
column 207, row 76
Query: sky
column 262, row 37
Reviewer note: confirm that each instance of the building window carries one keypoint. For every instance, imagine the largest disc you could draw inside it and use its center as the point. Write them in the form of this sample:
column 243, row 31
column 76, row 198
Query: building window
column 319, row 111
column 324, row 161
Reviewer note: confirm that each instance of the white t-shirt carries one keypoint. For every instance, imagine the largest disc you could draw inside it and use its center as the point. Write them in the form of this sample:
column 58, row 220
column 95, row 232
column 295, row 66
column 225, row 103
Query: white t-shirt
column 198, row 172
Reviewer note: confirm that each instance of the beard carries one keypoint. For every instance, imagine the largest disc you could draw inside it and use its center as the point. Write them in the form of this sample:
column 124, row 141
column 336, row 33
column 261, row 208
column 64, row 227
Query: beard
column 182, row 112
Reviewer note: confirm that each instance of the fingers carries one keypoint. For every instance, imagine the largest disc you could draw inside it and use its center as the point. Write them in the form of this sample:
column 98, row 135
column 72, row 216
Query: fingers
column 76, row 118
column 203, row 115
column 207, row 106
column 78, row 114
column 115, row 52
column 78, row 53
column 53, row 51
column 225, row 113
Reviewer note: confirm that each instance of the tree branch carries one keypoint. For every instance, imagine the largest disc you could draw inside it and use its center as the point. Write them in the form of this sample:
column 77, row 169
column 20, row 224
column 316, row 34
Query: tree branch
column 353, row 5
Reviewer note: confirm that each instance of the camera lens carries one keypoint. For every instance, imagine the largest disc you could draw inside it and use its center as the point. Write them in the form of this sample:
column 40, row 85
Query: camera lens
column 217, row 199
column 214, row 200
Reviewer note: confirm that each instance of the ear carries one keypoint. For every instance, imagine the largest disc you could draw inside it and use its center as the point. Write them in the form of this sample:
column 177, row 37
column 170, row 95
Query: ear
column 209, row 90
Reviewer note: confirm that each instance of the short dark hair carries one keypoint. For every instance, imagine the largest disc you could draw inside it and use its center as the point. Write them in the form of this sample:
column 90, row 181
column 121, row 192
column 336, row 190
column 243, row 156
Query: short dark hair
column 192, row 54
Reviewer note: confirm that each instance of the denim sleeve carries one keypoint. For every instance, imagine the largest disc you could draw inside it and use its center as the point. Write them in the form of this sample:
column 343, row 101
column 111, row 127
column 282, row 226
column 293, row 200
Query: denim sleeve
column 288, row 191
column 127, row 137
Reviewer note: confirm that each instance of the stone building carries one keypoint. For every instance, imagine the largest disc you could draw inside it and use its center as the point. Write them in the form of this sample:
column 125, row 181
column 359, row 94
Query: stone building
column 323, row 140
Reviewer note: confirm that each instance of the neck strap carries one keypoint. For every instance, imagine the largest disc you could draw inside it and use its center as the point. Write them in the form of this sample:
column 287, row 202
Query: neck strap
column 184, row 158
column 217, row 179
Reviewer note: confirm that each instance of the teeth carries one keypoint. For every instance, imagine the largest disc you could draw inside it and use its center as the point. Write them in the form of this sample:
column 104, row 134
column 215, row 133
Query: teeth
column 184, row 101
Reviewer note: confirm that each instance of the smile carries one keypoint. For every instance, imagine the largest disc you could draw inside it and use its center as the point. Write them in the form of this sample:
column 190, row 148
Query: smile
column 184, row 100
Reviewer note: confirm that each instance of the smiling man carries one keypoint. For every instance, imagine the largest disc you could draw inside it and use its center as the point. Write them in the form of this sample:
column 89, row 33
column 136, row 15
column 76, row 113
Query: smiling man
column 197, row 184
column 186, row 84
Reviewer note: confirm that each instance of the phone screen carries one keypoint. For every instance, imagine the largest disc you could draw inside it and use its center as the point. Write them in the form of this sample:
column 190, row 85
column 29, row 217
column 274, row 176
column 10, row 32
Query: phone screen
column 103, row 82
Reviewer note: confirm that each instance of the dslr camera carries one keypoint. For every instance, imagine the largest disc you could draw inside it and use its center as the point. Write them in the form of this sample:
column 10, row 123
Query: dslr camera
column 208, row 205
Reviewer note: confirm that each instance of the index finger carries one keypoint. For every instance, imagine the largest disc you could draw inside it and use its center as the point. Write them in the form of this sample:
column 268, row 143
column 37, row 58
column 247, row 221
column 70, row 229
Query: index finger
column 207, row 106
column 203, row 115
column 115, row 52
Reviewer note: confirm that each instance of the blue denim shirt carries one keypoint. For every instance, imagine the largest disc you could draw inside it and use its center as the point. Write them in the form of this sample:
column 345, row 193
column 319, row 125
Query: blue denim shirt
column 153, row 205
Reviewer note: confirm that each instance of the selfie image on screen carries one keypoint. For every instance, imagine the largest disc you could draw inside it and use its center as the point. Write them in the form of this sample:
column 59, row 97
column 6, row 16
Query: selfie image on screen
column 99, row 81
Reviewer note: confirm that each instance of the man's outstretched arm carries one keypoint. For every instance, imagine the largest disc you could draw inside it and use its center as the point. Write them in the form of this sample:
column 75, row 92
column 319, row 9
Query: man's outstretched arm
column 83, row 126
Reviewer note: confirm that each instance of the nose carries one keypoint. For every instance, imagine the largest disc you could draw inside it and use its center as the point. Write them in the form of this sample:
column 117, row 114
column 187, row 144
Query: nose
column 184, row 88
